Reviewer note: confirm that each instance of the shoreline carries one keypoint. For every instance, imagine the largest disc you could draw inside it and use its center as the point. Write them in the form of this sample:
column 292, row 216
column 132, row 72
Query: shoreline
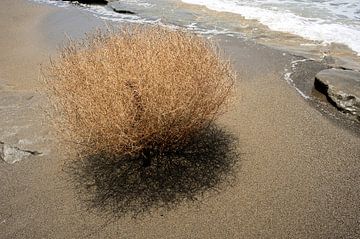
column 296, row 176
column 211, row 22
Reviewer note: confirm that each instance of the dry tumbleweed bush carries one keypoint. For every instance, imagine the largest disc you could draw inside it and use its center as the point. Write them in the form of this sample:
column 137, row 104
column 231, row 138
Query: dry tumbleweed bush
column 136, row 91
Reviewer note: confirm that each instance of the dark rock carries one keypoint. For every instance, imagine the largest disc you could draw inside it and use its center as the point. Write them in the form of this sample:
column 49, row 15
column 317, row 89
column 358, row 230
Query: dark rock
column 98, row 2
column 342, row 89
column 126, row 8
column 123, row 11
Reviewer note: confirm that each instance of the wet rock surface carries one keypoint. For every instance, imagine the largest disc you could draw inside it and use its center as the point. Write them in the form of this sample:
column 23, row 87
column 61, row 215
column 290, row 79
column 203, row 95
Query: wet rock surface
column 341, row 88
column 341, row 63
column 303, row 72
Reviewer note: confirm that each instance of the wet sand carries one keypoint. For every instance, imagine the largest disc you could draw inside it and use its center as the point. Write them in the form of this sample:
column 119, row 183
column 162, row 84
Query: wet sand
column 296, row 173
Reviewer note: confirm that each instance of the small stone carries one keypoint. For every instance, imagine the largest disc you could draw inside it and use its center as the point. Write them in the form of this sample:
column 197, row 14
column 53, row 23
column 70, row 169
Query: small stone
column 11, row 154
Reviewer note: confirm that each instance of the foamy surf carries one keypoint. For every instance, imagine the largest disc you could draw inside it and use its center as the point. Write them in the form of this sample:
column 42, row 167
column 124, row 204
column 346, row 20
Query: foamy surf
column 332, row 27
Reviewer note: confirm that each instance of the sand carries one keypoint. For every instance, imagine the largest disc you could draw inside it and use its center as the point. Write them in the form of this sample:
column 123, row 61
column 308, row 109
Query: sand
column 296, row 172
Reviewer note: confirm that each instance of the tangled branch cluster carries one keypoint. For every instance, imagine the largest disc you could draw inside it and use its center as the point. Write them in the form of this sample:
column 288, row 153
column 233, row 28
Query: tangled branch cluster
column 137, row 90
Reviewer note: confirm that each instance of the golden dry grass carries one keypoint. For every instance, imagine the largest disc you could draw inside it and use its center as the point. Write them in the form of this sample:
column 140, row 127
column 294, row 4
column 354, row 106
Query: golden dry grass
column 136, row 90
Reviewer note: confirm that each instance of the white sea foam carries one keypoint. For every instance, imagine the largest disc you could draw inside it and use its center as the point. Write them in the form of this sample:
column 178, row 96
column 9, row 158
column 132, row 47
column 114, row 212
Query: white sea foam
column 331, row 25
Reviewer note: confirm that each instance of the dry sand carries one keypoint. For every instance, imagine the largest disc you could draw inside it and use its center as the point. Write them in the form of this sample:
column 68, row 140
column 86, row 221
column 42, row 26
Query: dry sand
column 297, row 173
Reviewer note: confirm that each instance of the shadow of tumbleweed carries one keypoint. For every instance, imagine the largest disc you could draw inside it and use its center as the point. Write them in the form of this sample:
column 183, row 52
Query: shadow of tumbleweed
column 124, row 186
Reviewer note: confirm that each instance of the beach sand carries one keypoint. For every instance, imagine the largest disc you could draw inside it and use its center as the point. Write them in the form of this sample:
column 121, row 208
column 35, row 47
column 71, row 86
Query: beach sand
column 296, row 173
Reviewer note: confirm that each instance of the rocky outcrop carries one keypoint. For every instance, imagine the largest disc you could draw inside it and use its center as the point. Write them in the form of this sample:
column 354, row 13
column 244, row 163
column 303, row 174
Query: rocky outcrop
column 342, row 89
column 11, row 154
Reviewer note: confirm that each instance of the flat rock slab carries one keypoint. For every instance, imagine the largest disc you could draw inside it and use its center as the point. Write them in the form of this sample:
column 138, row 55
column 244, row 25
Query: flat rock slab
column 342, row 89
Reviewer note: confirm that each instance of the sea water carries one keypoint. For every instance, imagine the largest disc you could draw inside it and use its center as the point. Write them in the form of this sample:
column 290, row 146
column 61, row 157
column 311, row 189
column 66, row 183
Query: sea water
column 296, row 24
